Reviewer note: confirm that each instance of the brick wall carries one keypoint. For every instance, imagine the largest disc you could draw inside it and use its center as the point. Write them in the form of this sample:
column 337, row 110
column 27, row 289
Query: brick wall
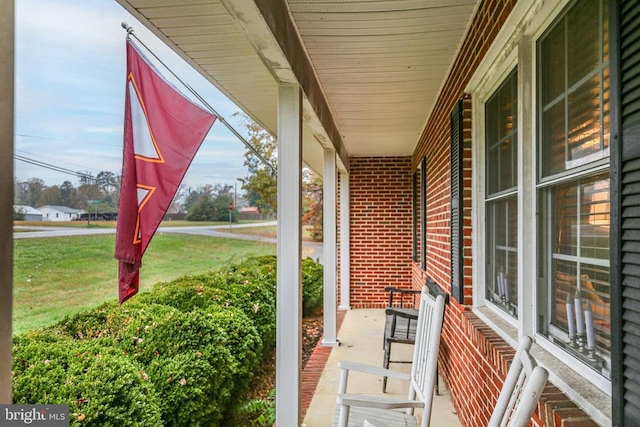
column 381, row 228
column 473, row 358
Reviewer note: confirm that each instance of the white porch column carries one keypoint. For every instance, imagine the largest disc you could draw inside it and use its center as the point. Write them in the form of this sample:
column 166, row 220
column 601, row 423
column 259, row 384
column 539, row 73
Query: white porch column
column 329, row 188
column 6, row 194
column 289, row 288
column 345, row 238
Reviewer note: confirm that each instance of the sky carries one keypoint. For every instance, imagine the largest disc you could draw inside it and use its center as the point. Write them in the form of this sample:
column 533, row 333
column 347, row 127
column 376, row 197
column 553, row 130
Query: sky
column 70, row 87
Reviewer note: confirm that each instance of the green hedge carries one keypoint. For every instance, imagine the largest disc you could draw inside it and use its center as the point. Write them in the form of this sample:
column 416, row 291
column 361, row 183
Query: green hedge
column 183, row 353
column 312, row 277
column 101, row 385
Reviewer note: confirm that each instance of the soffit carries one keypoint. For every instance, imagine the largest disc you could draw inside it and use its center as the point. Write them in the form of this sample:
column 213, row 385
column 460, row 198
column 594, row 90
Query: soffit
column 380, row 63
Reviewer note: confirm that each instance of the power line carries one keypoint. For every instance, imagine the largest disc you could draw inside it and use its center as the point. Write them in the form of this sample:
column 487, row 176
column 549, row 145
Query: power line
column 28, row 154
column 52, row 167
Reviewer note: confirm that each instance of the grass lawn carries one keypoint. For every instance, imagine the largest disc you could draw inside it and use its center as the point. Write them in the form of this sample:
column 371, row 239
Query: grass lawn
column 56, row 277
column 112, row 224
column 265, row 231
column 66, row 224
column 268, row 231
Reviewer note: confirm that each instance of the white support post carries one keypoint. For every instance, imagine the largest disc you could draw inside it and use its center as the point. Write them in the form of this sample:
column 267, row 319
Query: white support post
column 289, row 275
column 6, row 193
column 329, row 201
column 345, row 259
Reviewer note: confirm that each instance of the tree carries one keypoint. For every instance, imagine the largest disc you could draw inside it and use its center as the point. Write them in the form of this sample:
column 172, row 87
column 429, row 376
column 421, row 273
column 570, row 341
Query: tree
column 177, row 203
column 109, row 184
column 261, row 186
column 221, row 205
column 210, row 203
column 20, row 196
column 84, row 193
column 312, row 203
column 19, row 214
column 34, row 188
column 51, row 196
column 194, row 196
column 66, row 193
column 201, row 210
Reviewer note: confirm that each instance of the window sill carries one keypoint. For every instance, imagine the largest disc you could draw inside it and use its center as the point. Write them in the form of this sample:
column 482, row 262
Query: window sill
column 594, row 402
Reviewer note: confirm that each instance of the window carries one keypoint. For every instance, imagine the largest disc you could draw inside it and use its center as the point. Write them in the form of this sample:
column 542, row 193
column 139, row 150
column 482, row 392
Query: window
column 415, row 188
column 419, row 201
column 423, row 213
column 573, row 184
column 541, row 191
column 501, row 136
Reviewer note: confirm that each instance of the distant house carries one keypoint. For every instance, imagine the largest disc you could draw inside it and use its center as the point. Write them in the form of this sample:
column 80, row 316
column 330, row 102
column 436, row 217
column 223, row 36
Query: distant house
column 59, row 213
column 27, row 213
column 250, row 212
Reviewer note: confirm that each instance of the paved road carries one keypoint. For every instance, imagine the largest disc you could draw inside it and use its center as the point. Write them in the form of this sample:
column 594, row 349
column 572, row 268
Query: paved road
column 224, row 231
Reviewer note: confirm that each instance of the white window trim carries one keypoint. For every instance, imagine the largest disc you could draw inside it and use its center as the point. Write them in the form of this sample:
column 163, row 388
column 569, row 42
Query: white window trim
column 516, row 44
column 478, row 177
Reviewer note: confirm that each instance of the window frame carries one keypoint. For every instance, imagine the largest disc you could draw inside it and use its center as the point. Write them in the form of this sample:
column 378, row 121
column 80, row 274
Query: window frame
column 541, row 183
column 488, row 88
column 516, row 44
column 419, row 218
column 501, row 195
column 415, row 223
column 423, row 214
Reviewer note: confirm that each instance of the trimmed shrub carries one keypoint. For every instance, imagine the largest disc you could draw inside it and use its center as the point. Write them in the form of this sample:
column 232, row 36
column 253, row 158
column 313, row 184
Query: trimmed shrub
column 106, row 320
column 244, row 343
column 101, row 385
column 186, row 386
column 249, row 286
column 157, row 336
column 187, row 292
column 160, row 336
column 312, row 282
column 185, row 352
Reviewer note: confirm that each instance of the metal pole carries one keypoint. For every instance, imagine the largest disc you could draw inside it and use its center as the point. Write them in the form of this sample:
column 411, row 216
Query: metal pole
column 197, row 95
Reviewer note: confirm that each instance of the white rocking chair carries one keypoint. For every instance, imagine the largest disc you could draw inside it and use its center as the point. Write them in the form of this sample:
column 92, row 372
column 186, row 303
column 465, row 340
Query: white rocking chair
column 521, row 390
column 355, row 410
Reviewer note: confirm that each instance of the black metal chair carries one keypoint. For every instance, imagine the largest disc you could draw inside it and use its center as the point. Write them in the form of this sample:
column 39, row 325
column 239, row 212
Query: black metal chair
column 401, row 319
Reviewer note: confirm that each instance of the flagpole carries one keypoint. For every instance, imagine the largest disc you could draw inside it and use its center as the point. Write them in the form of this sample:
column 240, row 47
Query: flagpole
column 129, row 30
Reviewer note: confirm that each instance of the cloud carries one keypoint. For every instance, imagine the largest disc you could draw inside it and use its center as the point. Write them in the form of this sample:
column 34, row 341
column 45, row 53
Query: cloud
column 70, row 82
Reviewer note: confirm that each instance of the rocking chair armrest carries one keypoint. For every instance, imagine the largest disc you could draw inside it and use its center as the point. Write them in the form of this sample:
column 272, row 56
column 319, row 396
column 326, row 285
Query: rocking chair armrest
column 372, row 370
column 402, row 291
column 407, row 313
column 401, row 294
column 380, row 402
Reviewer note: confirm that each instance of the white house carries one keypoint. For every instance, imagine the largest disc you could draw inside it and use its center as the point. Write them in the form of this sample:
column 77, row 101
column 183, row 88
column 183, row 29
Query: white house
column 27, row 213
column 59, row 213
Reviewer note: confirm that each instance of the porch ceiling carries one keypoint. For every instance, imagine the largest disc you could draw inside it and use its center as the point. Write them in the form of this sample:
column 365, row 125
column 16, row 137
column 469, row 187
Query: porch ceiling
column 378, row 64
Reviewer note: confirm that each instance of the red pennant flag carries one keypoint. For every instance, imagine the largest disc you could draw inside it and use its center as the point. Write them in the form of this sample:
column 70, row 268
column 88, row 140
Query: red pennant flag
column 162, row 133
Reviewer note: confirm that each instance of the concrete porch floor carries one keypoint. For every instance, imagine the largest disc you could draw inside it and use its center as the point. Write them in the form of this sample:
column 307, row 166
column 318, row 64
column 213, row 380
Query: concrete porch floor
column 360, row 336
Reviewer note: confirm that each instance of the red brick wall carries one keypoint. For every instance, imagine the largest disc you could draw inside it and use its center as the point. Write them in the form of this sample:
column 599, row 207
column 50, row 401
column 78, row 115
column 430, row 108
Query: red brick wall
column 473, row 357
column 381, row 228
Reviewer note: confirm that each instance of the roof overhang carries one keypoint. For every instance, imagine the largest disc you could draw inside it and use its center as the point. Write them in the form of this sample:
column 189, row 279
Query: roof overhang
column 370, row 72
